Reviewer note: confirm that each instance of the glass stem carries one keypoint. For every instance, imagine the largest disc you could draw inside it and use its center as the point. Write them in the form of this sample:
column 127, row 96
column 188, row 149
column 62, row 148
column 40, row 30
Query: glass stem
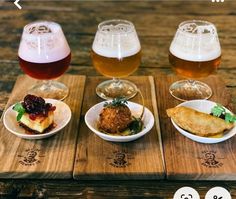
column 116, row 82
column 191, row 82
column 48, row 82
column 47, row 85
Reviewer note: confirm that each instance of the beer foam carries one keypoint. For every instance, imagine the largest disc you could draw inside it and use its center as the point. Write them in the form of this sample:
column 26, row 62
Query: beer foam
column 116, row 41
column 204, row 55
column 43, row 42
column 195, row 42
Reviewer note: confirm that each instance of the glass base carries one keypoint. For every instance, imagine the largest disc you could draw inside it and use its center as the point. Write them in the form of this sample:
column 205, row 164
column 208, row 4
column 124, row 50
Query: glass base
column 111, row 89
column 185, row 90
column 50, row 89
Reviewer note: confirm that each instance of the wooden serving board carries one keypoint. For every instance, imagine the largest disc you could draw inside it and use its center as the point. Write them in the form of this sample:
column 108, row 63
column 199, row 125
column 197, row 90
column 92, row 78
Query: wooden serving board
column 97, row 159
column 184, row 158
column 47, row 158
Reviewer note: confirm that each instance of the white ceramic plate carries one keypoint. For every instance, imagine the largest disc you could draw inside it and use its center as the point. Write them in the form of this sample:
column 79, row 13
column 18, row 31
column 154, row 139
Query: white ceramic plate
column 204, row 106
column 92, row 118
column 62, row 116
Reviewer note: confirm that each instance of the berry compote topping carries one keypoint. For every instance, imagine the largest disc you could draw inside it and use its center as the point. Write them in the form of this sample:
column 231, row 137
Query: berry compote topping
column 36, row 106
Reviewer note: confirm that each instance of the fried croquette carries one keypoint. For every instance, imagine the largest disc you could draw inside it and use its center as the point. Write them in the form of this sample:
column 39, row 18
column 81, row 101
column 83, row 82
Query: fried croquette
column 114, row 119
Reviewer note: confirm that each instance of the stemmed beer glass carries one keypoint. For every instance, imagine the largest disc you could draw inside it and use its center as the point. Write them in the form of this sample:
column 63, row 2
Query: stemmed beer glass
column 44, row 54
column 116, row 53
column 194, row 52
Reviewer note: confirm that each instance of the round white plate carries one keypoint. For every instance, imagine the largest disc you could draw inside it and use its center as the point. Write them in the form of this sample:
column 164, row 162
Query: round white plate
column 92, row 118
column 62, row 116
column 204, row 106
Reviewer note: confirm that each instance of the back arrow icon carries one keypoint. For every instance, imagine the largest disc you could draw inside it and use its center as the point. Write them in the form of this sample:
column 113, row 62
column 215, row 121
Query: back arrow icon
column 17, row 5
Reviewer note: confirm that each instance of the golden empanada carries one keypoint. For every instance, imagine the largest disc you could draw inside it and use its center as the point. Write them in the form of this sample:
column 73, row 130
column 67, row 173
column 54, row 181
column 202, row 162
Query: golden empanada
column 198, row 123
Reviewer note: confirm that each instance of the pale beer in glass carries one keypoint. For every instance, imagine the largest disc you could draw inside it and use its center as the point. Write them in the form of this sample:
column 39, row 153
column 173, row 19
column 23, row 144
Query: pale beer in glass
column 116, row 53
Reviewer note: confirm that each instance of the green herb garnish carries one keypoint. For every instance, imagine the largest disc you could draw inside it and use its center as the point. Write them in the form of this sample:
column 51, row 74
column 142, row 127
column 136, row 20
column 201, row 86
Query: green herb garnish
column 230, row 118
column 219, row 111
column 136, row 126
column 20, row 109
column 119, row 101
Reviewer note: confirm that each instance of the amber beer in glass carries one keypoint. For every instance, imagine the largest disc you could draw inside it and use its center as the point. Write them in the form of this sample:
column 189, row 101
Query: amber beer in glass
column 194, row 53
column 116, row 53
column 44, row 54
column 194, row 69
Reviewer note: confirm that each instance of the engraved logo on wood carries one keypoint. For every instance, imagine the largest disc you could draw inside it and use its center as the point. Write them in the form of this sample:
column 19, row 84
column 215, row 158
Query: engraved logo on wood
column 120, row 159
column 30, row 157
column 210, row 160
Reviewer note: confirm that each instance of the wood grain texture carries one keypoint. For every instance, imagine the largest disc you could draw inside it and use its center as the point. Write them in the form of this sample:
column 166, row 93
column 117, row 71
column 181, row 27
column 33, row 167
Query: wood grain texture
column 55, row 155
column 79, row 20
column 95, row 157
column 107, row 189
column 184, row 158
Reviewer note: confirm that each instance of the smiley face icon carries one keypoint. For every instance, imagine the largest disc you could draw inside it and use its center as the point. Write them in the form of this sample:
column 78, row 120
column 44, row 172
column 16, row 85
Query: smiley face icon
column 186, row 193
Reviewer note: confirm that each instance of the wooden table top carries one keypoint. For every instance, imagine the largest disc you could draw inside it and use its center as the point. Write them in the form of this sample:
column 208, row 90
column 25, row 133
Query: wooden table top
column 156, row 23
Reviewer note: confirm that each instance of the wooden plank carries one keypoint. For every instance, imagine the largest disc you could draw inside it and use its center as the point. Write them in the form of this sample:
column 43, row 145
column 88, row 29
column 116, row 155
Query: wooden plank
column 184, row 158
column 95, row 157
column 156, row 26
column 55, row 155
column 199, row 7
column 126, row 189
